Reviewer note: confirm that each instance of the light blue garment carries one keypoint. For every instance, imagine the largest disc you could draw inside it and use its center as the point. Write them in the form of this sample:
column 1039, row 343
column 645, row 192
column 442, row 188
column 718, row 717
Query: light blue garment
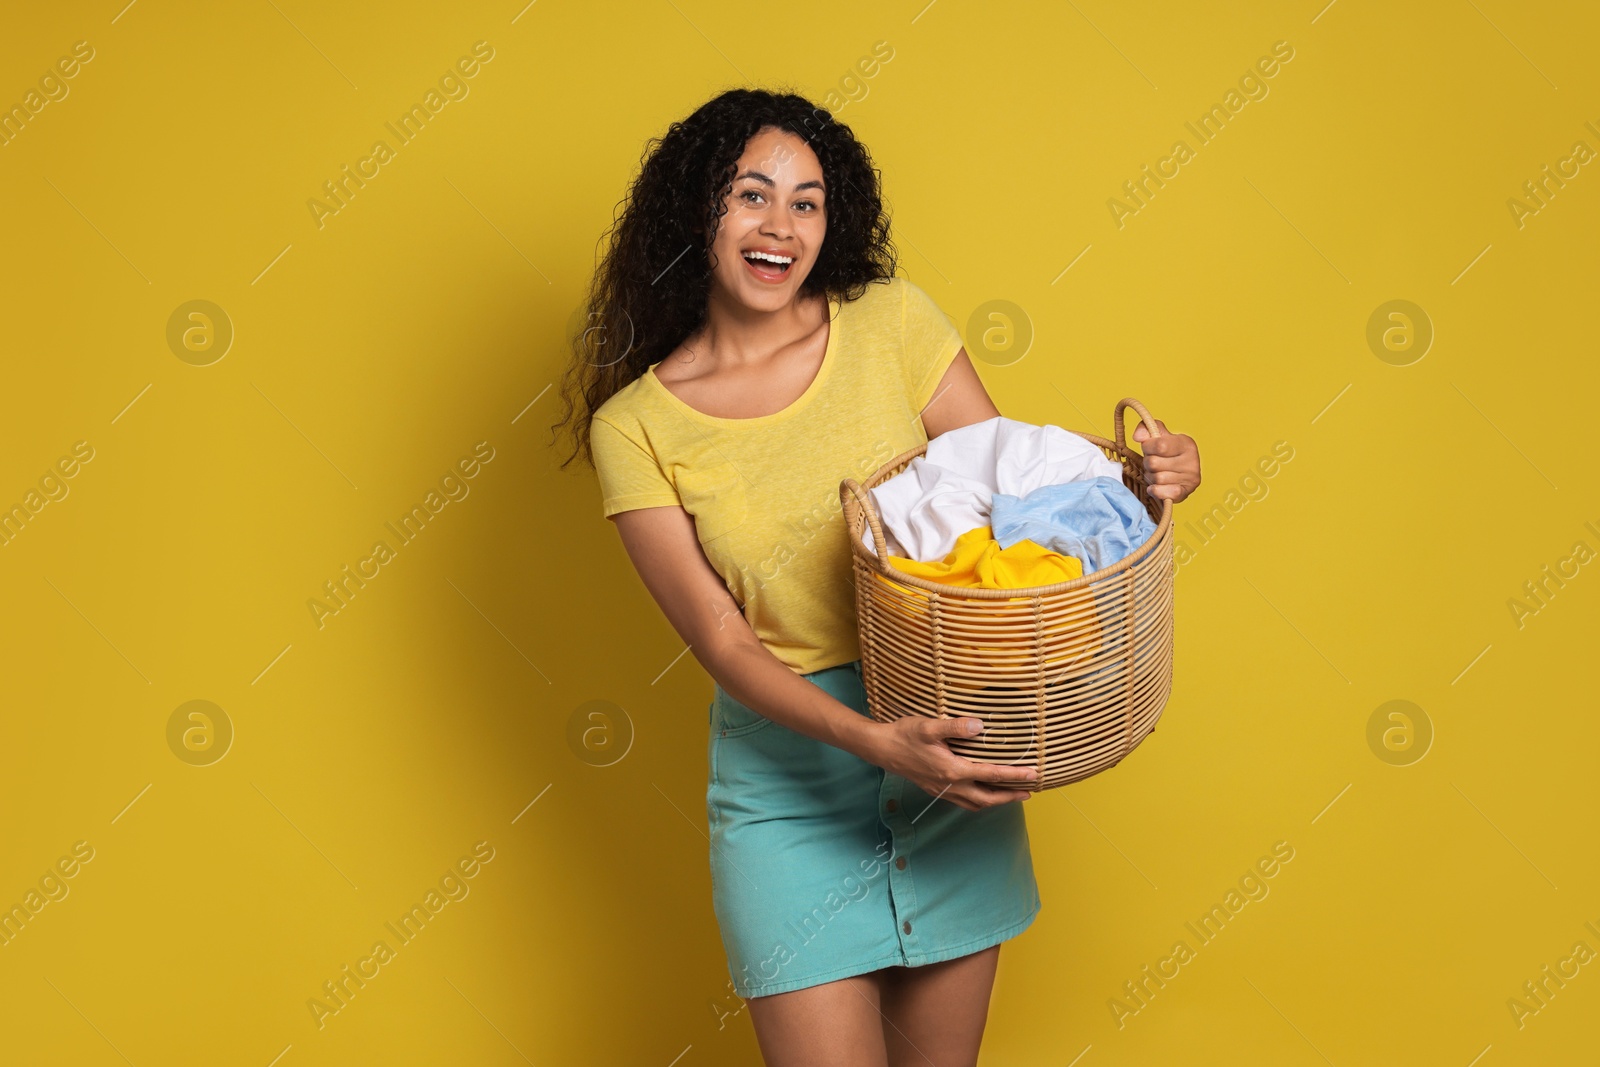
column 1098, row 520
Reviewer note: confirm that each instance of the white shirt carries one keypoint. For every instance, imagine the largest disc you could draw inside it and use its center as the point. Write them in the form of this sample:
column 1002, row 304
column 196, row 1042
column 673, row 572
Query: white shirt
column 947, row 491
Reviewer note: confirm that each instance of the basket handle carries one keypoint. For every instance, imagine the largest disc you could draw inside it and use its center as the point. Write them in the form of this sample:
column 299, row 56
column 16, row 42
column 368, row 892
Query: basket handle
column 872, row 517
column 1144, row 416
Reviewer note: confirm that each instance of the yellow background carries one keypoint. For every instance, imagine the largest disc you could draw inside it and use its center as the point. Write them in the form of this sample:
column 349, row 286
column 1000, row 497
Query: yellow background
column 428, row 315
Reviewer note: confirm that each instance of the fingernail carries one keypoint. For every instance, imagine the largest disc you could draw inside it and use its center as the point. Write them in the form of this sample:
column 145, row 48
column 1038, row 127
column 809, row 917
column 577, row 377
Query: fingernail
column 974, row 726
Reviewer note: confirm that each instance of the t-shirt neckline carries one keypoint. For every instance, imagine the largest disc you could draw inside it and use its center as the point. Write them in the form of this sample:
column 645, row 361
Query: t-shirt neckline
column 799, row 402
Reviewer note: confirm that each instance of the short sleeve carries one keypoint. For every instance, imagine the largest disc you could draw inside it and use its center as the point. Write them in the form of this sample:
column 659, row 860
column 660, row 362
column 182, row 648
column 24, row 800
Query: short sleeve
column 629, row 475
column 930, row 343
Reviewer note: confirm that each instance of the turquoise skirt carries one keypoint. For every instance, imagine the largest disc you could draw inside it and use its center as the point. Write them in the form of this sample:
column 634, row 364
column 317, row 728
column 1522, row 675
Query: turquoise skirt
column 825, row 866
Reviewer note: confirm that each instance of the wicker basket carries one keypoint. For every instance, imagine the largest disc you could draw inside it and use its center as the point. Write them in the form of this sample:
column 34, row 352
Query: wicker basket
column 1068, row 678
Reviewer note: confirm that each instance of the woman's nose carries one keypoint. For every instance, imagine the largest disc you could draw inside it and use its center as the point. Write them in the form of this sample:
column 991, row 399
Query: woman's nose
column 779, row 222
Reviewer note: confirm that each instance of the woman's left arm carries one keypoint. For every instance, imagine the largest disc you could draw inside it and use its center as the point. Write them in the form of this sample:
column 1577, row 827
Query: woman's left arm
column 1171, row 461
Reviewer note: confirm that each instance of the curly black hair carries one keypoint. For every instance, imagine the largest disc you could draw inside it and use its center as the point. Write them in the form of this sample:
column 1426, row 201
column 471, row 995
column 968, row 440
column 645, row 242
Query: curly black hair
column 649, row 292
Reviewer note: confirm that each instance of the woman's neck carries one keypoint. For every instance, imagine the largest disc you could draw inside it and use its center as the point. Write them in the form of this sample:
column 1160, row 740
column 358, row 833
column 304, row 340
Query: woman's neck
column 735, row 333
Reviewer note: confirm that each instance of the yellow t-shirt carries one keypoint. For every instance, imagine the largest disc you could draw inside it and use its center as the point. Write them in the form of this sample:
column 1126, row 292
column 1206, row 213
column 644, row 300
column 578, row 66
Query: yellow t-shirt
column 764, row 492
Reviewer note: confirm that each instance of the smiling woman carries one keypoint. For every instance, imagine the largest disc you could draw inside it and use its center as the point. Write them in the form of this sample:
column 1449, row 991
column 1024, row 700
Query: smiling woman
column 769, row 256
column 778, row 354
column 766, row 244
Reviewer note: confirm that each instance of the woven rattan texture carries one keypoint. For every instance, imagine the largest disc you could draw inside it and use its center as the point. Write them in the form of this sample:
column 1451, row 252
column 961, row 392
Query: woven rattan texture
column 1068, row 678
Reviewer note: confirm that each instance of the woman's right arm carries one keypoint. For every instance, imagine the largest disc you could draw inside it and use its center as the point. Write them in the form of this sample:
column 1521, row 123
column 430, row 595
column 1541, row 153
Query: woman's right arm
column 662, row 544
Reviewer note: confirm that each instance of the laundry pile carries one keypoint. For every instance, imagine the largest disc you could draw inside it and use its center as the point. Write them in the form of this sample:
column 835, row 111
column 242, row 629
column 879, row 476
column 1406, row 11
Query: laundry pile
column 1003, row 504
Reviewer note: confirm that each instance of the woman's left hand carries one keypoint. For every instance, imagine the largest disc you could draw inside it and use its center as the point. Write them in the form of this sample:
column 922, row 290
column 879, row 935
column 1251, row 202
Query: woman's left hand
column 1171, row 462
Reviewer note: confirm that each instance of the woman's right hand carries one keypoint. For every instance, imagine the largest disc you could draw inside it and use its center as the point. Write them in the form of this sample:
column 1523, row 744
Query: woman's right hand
column 914, row 747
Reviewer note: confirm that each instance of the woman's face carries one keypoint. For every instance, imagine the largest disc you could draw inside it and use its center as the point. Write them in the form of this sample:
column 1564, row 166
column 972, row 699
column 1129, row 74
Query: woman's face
column 768, row 240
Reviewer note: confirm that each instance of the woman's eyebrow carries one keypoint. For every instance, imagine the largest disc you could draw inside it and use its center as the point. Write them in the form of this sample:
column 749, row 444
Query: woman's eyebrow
column 756, row 175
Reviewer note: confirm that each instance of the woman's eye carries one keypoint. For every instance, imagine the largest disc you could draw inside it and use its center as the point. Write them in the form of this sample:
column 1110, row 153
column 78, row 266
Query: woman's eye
column 750, row 196
column 808, row 205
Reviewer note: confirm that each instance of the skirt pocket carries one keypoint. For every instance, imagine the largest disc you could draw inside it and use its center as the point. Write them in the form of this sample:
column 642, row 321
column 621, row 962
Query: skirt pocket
column 729, row 718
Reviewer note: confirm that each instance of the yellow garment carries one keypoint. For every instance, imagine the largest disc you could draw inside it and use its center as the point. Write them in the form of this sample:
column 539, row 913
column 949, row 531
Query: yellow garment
column 978, row 561
column 764, row 491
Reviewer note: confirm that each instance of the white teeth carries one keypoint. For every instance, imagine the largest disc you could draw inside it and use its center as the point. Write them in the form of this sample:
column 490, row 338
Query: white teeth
column 769, row 257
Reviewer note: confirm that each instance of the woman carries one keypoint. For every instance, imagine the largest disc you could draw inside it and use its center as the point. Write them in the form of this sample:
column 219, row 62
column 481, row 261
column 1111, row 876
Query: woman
column 749, row 346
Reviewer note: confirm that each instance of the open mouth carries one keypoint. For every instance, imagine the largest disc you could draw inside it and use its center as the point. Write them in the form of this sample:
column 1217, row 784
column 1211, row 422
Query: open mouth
column 768, row 266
